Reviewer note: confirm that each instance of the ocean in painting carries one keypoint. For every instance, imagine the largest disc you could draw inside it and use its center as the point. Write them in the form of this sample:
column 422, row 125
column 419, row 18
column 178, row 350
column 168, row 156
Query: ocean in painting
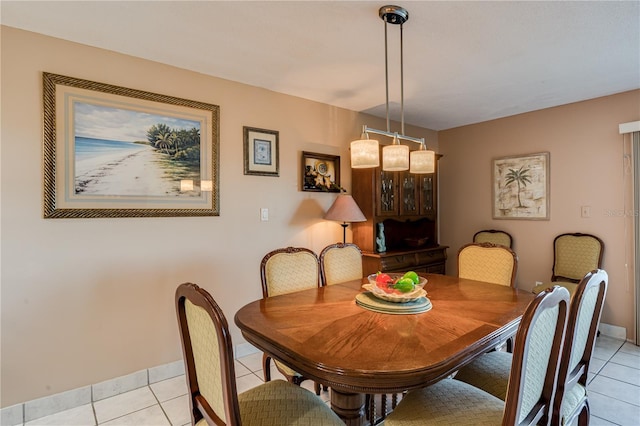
column 86, row 148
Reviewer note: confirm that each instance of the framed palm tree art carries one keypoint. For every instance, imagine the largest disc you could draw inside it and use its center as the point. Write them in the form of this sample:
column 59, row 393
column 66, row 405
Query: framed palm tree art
column 521, row 187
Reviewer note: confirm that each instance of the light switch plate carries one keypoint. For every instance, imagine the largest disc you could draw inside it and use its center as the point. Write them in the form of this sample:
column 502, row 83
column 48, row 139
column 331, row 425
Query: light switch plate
column 264, row 214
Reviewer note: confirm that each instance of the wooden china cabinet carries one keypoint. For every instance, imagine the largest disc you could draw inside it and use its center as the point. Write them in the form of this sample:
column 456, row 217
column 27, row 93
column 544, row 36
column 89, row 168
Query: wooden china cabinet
column 405, row 206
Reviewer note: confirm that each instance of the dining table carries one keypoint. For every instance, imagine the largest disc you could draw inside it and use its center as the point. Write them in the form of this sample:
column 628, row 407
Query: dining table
column 323, row 334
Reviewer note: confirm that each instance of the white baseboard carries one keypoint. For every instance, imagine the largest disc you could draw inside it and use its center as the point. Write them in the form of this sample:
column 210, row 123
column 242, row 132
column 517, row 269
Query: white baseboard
column 20, row 413
column 613, row 331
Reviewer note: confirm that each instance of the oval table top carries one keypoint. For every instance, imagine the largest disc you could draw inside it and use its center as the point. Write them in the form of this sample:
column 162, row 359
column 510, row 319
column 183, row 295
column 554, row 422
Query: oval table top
column 324, row 335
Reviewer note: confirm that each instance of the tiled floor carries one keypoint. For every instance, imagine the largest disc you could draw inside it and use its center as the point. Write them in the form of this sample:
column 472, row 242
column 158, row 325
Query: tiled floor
column 614, row 394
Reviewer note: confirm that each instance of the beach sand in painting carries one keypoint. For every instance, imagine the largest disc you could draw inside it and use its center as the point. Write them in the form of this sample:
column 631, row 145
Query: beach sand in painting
column 133, row 173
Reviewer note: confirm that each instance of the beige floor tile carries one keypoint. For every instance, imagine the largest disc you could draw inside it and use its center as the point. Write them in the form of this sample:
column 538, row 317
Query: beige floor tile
column 247, row 382
column 177, row 410
column 125, row 403
column 170, row 388
column 253, row 362
column 612, row 410
column 79, row 416
column 150, row 416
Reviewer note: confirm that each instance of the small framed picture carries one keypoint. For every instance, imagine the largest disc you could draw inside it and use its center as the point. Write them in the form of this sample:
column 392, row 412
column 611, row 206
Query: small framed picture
column 320, row 172
column 521, row 187
column 261, row 155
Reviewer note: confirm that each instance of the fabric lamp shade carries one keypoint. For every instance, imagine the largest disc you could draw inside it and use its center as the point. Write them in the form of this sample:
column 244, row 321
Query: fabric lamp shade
column 422, row 161
column 344, row 209
column 365, row 153
column 395, row 158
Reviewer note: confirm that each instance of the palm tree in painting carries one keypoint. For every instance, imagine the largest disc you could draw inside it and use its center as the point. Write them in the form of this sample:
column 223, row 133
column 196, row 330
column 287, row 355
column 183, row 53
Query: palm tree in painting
column 165, row 141
column 520, row 177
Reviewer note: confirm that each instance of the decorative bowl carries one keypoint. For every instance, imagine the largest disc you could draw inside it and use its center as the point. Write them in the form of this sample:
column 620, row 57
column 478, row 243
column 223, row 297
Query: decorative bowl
column 411, row 296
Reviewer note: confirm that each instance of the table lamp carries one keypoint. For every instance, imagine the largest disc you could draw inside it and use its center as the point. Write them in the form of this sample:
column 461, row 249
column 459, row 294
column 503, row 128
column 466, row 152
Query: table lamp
column 344, row 209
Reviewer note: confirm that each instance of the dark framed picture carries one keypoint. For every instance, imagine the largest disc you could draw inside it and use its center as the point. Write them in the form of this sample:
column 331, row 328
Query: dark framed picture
column 261, row 156
column 320, row 172
column 521, row 187
column 111, row 151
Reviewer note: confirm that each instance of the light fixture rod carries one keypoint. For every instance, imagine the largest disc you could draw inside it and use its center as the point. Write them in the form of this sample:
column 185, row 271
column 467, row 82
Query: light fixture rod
column 386, row 74
column 401, row 83
column 366, row 129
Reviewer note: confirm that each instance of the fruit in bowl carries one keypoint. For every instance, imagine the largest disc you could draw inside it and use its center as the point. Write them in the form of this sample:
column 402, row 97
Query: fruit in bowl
column 397, row 283
column 398, row 288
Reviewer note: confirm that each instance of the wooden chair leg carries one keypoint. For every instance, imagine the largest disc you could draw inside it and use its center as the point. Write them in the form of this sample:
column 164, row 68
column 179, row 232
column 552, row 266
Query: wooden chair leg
column 266, row 367
column 510, row 345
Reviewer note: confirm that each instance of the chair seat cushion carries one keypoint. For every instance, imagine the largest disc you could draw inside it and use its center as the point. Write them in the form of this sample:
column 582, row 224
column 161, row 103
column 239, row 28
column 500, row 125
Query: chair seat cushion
column 489, row 372
column 573, row 399
column 569, row 286
column 448, row 402
column 280, row 403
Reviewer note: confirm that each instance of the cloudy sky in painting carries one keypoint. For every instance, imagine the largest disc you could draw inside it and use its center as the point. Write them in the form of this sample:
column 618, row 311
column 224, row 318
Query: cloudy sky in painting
column 100, row 122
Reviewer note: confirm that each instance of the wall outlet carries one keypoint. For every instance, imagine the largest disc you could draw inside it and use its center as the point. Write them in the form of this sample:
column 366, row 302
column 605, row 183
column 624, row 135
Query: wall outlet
column 264, row 214
column 538, row 282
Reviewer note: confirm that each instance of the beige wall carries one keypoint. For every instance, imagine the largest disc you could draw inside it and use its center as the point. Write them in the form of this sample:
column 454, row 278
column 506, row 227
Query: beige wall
column 85, row 300
column 586, row 156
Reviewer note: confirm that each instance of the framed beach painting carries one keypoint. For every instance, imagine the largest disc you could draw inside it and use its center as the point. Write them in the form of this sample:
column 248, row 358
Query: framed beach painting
column 111, row 151
column 521, row 187
column 320, row 172
column 261, row 156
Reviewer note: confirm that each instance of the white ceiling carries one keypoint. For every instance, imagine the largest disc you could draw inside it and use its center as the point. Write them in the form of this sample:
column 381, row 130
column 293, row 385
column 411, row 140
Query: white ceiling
column 464, row 62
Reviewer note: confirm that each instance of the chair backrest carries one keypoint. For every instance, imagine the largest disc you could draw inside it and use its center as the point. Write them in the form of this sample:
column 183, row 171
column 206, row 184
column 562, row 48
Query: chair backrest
column 208, row 357
column 493, row 236
column 289, row 269
column 582, row 327
column 488, row 262
column 536, row 355
column 340, row 263
column 574, row 255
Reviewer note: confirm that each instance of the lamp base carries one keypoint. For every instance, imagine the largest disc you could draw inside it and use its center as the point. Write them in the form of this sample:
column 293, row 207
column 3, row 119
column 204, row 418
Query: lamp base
column 344, row 232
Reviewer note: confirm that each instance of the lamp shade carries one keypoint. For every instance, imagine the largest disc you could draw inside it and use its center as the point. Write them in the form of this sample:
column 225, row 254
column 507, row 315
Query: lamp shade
column 422, row 161
column 364, row 154
column 395, row 158
column 345, row 209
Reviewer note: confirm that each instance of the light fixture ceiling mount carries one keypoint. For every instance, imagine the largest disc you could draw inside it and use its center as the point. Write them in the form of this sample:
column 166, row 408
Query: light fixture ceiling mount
column 393, row 14
column 395, row 157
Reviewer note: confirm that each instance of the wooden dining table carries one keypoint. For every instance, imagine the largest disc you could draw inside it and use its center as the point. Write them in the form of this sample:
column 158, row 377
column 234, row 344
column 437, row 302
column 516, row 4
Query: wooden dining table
column 323, row 334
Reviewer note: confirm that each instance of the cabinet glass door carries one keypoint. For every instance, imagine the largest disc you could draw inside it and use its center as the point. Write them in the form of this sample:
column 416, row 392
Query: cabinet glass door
column 408, row 194
column 387, row 193
column 427, row 195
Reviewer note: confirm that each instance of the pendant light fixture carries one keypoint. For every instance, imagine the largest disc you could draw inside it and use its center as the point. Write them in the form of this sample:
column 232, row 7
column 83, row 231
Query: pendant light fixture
column 395, row 157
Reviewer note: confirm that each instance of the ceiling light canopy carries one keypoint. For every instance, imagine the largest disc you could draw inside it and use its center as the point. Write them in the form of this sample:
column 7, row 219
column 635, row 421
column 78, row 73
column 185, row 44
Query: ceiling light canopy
column 365, row 153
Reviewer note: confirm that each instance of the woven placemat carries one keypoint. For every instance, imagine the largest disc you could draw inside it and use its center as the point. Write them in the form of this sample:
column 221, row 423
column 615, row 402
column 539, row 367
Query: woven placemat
column 372, row 303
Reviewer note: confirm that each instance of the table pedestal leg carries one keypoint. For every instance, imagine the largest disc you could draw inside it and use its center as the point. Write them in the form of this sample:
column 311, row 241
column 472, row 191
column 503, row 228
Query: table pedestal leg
column 349, row 406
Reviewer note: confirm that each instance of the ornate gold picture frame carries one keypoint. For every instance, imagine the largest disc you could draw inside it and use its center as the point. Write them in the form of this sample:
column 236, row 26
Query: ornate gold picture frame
column 110, row 151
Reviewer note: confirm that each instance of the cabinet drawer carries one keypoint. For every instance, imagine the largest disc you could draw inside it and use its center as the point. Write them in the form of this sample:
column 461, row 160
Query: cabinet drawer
column 426, row 257
column 400, row 261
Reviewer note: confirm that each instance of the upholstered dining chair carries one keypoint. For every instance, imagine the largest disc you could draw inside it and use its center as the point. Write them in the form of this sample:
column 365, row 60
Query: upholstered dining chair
column 282, row 271
column 531, row 386
column 493, row 236
column 574, row 255
column 340, row 263
column 488, row 262
column 490, row 372
column 210, row 372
